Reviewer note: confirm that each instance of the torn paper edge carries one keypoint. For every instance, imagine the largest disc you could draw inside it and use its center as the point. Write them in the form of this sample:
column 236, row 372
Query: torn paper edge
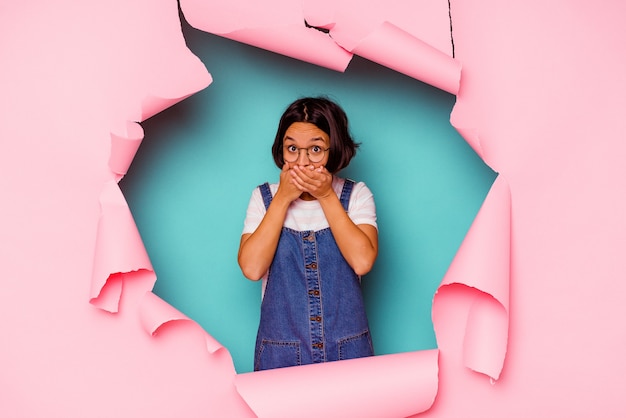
column 118, row 249
column 387, row 45
column 105, row 263
column 154, row 313
column 395, row 385
column 483, row 263
column 398, row 50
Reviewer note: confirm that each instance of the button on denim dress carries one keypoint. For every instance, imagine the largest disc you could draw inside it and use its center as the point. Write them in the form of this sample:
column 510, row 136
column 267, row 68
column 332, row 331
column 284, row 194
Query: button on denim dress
column 312, row 309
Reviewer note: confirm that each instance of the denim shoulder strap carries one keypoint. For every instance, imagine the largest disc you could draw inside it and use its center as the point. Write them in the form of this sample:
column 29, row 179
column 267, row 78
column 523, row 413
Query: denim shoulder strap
column 266, row 193
column 345, row 193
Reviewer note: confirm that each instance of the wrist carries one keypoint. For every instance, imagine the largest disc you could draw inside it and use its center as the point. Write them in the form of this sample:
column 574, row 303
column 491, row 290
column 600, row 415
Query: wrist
column 327, row 197
column 281, row 199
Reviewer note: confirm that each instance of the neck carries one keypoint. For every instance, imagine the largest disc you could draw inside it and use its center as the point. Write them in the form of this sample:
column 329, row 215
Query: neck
column 306, row 196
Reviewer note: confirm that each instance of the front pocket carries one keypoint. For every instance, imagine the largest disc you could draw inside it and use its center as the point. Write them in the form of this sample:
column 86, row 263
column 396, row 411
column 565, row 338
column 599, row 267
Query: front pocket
column 355, row 346
column 276, row 354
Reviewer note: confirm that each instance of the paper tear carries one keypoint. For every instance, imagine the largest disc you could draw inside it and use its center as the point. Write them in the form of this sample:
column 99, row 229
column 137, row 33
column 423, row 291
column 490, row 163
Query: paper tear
column 319, row 13
column 380, row 41
column 485, row 342
column 393, row 385
column 482, row 263
column 109, row 297
column 118, row 249
column 154, row 313
column 399, row 376
column 322, row 29
column 471, row 136
column 280, row 30
column 152, row 104
column 124, row 146
column 397, row 49
column 296, row 42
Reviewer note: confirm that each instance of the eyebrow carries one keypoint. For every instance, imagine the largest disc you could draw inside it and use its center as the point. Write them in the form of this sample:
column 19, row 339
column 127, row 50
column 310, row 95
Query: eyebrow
column 318, row 138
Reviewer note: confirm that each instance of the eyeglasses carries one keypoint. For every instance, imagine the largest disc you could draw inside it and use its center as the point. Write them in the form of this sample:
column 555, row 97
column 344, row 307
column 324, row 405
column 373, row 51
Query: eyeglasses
column 315, row 153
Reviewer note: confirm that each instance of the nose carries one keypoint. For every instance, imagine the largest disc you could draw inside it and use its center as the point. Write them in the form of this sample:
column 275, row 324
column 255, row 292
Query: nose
column 303, row 157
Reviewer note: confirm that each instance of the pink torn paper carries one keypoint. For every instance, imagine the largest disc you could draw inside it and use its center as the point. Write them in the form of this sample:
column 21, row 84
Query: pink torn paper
column 124, row 146
column 328, row 33
column 527, row 110
column 349, row 21
column 470, row 135
column 278, row 28
column 390, row 385
column 119, row 249
column 393, row 385
column 481, row 271
column 397, row 49
column 154, row 102
column 411, row 38
column 154, row 313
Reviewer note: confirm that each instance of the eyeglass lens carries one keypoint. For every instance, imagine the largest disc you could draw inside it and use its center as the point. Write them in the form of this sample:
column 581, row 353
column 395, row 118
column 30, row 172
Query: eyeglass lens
column 314, row 153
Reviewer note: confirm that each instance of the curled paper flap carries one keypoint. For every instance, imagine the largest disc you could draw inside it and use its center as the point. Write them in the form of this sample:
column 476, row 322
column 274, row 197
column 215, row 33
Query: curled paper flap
column 119, row 248
column 483, row 259
column 283, row 29
column 153, row 66
column 349, row 21
column 394, row 385
column 397, row 49
column 152, row 104
column 154, row 312
column 109, row 297
column 486, row 336
column 471, row 137
column 124, row 146
column 160, row 96
column 279, row 29
column 482, row 265
column 299, row 42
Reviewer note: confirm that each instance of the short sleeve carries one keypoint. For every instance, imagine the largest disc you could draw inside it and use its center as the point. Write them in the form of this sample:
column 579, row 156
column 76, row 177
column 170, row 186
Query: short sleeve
column 254, row 213
column 362, row 208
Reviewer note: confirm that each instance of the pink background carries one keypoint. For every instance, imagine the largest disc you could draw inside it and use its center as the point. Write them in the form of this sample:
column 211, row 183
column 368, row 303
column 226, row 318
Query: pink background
column 541, row 100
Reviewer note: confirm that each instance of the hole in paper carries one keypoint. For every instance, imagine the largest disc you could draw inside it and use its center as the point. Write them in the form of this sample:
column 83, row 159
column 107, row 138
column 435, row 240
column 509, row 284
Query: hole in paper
column 190, row 183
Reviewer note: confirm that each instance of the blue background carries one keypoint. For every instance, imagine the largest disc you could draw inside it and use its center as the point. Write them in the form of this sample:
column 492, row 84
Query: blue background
column 190, row 184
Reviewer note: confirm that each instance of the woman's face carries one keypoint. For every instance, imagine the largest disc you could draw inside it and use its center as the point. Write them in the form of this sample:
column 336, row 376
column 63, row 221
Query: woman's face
column 305, row 144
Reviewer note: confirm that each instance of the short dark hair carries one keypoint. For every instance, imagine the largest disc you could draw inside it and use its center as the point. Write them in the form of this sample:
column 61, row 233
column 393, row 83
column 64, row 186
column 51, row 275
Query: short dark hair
column 327, row 116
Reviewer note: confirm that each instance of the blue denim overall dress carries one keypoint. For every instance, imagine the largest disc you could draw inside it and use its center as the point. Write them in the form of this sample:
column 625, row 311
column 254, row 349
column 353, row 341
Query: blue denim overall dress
column 312, row 309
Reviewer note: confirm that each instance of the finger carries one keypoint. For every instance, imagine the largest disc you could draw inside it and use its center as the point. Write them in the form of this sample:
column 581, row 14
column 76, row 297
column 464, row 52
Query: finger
column 304, row 182
column 298, row 177
column 298, row 184
column 308, row 172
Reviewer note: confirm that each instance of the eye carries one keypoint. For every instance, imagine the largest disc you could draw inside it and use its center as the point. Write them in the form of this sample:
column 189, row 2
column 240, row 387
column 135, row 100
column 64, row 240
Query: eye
column 292, row 148
column 315, row 149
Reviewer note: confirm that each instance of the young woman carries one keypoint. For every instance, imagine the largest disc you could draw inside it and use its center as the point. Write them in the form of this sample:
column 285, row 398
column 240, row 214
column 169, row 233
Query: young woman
column 310, row 237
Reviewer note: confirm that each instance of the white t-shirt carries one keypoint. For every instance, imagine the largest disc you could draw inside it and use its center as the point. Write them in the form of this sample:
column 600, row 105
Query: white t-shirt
column 307, row 215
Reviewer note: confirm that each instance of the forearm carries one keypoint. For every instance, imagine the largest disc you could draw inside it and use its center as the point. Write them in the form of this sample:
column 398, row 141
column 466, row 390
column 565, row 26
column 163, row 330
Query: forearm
column 358, row 243
column 256, row 250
